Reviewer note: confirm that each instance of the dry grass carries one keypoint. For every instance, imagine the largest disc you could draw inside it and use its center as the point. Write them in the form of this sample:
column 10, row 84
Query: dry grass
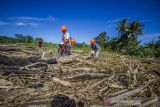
column 122, row 73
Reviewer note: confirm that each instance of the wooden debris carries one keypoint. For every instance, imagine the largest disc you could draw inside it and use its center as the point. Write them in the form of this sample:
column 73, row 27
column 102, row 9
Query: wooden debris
column 10, row 87
column 151, row 101
column 86, row 76
column 59, row 81
column 73, row 59
column 103, row 89
column 98, row 83
column 115, row 85
column 32, row 80
column 119, row 92
column 127, row 94
column 5, row 82
column 17, row 71
column 10, row 49
column 67, row 60
column 48, row 60
column 29, row 52
column 30, row 65
column 78, row 69
column 12, row 60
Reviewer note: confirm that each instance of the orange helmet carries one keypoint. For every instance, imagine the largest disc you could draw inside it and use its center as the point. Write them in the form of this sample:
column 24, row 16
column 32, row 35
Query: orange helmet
column 72, row 41
column 63, row 28
column 92, row 41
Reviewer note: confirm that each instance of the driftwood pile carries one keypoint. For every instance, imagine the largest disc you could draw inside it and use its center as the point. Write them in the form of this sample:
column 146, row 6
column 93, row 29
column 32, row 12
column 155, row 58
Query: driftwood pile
column 34, row 77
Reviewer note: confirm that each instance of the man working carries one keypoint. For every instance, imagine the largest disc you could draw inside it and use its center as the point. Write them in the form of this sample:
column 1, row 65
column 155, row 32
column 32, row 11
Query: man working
column 65, row 41
column 95, row 48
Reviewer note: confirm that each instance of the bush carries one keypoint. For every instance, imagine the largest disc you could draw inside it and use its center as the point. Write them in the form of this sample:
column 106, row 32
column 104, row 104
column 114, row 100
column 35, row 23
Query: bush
column 9, row 40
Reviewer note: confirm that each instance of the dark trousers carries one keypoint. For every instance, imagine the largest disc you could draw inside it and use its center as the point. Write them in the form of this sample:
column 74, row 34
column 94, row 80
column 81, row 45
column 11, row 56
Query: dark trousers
column 68, row 49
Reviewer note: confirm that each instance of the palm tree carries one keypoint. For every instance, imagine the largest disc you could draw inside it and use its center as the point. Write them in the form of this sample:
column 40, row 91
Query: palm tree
column 129, row 31
column 122, row 32
column 122, row 26
column 135, row 29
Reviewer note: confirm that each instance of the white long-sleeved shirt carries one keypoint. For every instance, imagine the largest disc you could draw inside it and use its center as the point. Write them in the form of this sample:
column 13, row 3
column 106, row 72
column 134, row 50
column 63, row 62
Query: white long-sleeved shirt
column 66, row 36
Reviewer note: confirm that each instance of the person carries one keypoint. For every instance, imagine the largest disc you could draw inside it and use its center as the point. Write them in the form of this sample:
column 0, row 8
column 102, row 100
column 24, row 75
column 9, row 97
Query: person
column 95, row 48
column 40, row 43
column 72, row 41
column 65, row 40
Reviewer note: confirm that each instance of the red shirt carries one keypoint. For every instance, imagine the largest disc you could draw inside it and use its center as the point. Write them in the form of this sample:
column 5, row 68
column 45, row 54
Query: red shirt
column 39, row 42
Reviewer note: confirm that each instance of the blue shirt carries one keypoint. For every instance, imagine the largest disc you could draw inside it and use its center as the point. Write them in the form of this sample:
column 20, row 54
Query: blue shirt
column 95, row 47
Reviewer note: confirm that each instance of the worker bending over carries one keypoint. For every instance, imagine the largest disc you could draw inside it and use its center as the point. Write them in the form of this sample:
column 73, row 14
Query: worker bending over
column 95, row 48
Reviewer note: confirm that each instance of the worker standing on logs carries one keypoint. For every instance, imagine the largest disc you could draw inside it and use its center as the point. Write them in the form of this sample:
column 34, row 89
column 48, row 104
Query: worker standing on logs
column 40, row 43
column 65, row 44
column 95, row 48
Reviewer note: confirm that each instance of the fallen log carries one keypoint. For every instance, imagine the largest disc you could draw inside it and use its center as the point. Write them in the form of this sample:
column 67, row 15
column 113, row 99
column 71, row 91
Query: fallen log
column 31, row 74
column 14, row 71
column 103, row 89
column 36, row 103
column 67, row 60
column 82, row 69
column 108, row 83
column 13, row 60
column 127, row 94
column 121, row 97
column 48, row 60
column 98, row 83
column 86, row 76
column 115, row 85
column 29, row 52
column 10, row 87
column 62, row 82
column 30, row 65
column 149, row 102
column 10, row 49
column 79, row 69
column 119, row 92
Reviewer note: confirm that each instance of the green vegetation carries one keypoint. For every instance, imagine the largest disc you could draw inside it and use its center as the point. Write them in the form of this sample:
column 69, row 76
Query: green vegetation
column 22, row 38
column 26, row 40
column 125, row 43
column 8, row 40
column 81, row 47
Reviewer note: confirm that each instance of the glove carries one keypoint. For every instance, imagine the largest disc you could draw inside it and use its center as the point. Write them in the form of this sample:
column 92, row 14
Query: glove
column 92, row 52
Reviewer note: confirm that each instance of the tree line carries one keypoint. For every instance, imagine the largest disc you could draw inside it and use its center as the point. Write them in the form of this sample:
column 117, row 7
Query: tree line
column 19, row 38
column 26, row 38
column 127, row 43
